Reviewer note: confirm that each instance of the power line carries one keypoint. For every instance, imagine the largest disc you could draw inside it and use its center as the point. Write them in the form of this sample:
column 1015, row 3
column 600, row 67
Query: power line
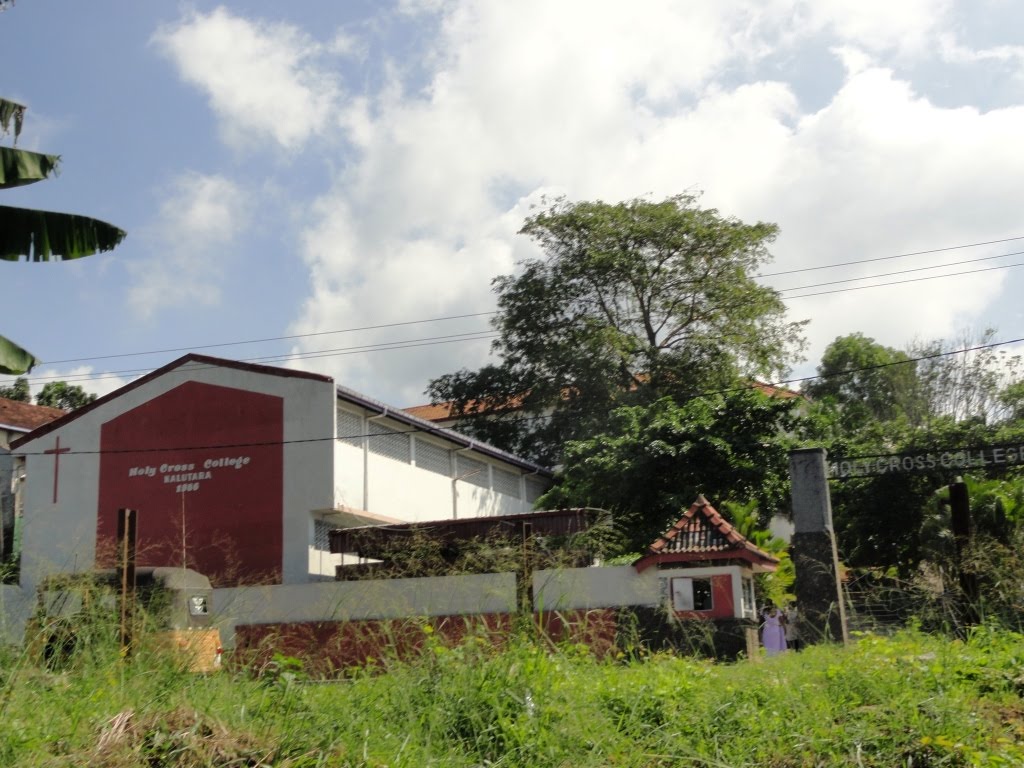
column 888, row 258
column 900, row 282
column 485, row 314
column 536, row 417
column 380, row 347
column 482, row 335
column 907, row 272
column 273, row 338
column 406, row 344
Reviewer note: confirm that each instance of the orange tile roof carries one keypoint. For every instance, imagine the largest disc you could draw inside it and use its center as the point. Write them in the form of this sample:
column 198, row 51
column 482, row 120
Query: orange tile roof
column 25, row 416
column 431, row 412
column 443, row 411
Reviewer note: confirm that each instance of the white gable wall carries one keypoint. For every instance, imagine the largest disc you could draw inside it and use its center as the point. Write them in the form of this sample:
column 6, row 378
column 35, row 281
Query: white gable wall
column 61, row 537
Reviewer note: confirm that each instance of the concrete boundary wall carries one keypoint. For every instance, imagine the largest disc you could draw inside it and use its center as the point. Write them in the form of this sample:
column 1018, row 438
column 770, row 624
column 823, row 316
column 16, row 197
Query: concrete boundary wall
column 564, row 589
column 15, row 610
column 603, row 587
column 491, row 593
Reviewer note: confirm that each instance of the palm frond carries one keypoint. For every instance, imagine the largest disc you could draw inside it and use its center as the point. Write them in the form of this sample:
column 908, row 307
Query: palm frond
column 48, row 235
column 19, row 167
column 11, row 111
column 13, row 359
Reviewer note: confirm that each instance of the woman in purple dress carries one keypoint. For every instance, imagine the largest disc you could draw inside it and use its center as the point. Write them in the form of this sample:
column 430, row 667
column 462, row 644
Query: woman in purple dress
column 773, row 631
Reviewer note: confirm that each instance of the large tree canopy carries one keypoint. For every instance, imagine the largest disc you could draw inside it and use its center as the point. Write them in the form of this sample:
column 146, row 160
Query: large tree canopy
column 932, row 397
column 39, row 235
column 867, row 383
column 630, row 302
column 67, row 397
column 654, row 460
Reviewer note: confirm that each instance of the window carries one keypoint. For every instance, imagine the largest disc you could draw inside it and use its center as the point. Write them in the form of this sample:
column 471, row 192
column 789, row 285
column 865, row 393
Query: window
column 321, row 535
column 433, row 458
column 390, row 442
column 350, row 427
column 534, row 488
column 691, row 595
column 747, row 593
column 506, row 482
column 473, row 472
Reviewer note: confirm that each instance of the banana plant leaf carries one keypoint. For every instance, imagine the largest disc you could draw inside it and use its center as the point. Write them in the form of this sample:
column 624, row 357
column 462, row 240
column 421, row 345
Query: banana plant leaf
column 19, row 167
column 47, row 235
column 11, row 111
column 15, row 360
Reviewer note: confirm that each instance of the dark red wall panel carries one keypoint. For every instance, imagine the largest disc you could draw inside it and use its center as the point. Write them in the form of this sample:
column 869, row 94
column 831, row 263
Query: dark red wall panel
column 203, row 465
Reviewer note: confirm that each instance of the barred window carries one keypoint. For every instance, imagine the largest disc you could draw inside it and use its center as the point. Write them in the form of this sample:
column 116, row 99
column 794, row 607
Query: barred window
column 473, row 472
column 433, row 458
column 534, row 488
column 506, row 482
column 350, row 427
column 321, row 535
column 390, row 442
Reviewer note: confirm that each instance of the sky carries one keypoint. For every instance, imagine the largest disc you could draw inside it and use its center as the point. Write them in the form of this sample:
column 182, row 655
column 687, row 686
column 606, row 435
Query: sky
column 333, row 186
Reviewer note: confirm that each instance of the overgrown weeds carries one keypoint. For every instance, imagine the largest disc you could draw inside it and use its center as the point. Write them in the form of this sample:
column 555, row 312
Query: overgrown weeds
column 910, row 699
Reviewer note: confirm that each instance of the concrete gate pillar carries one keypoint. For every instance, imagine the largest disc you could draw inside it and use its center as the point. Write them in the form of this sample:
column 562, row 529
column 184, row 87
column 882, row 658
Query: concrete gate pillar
column 813, row 549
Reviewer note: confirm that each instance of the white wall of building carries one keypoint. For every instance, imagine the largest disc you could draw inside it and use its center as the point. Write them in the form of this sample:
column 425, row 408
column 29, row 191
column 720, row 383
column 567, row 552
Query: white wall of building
column 407, row 485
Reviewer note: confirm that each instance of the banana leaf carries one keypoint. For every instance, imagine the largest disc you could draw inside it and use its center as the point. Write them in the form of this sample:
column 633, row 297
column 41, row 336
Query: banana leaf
column 11, row 110
column 19, row 167
column 47, row 235
column 15, row 360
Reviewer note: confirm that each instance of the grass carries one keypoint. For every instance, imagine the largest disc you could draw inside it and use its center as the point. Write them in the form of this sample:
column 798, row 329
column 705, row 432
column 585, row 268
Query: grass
column 908, row 700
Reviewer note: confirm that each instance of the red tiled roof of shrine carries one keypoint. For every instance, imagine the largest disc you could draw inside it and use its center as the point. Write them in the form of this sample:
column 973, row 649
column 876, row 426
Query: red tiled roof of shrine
column 24, row 417
column 703, row 534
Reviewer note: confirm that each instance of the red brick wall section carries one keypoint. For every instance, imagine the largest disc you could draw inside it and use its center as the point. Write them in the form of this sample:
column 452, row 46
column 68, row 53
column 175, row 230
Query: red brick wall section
column 328, row 648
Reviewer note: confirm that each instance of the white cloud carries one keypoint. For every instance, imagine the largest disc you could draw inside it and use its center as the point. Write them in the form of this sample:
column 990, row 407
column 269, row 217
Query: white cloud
column 909, row 26
column 604, row 102
column 262, row 79
column 955, row 52
column 198, row 218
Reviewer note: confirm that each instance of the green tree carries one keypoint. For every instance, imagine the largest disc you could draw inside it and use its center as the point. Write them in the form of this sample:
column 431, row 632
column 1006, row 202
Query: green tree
column 873, row 400
column 67, row 397
column 17, row 391
column 39, row 235
column 867, row 383
column 630, row 302
column 654, row 460
column 966, row 377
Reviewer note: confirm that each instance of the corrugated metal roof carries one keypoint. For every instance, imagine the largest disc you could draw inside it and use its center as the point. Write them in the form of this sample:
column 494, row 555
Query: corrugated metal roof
column 375, row 541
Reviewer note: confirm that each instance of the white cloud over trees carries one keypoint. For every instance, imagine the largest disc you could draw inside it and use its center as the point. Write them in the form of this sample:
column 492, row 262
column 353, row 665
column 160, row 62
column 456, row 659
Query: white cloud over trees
column 496, row 104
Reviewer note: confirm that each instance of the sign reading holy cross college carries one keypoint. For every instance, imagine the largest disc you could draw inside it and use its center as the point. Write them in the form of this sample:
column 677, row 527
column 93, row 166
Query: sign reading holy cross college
column 987, row 457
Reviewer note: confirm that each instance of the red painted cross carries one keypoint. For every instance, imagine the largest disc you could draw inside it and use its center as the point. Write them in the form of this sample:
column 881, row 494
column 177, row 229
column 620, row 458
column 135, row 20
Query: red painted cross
column 56, row 451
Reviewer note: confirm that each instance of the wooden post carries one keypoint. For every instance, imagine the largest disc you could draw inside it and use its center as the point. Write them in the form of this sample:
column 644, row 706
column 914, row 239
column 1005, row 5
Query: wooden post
column 960, row 523
column 526, row 571
column 127, row 535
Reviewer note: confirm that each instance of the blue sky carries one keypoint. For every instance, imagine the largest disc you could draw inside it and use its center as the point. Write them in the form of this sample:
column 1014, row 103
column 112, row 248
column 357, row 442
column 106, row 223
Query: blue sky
column 305, row 169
